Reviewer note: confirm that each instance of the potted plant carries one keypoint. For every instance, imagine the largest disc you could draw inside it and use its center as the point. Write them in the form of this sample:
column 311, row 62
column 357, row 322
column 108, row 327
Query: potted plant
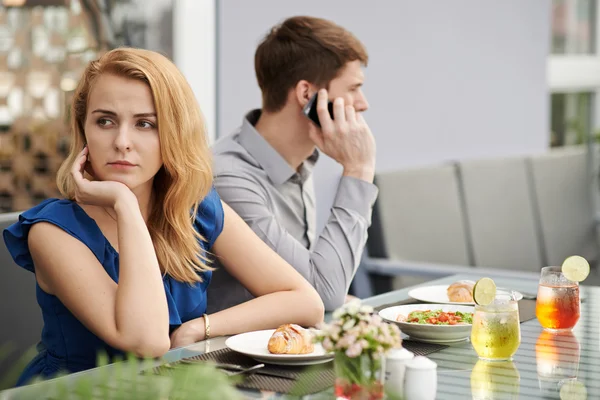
column 359, row 339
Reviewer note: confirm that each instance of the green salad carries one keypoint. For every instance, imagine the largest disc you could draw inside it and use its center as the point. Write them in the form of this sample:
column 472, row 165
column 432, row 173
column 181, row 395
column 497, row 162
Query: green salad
column 438, row 317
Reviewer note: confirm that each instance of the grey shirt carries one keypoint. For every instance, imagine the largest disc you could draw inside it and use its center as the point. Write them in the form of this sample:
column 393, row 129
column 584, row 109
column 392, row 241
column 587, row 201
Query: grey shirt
column 278, row 203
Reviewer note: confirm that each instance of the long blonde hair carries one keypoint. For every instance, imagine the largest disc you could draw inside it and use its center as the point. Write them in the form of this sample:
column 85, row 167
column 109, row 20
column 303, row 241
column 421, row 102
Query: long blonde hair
column 186, row 175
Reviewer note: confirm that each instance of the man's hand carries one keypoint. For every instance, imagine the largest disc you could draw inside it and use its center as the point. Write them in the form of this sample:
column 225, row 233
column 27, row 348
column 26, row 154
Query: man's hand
column 347, row 138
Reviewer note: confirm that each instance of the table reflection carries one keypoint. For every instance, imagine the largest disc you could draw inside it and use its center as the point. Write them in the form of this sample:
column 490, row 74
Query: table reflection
column 495, row 380
column 557, row 356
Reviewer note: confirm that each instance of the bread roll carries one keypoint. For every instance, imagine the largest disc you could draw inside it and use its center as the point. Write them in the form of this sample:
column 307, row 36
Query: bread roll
column 461, row 292
column 291, row 339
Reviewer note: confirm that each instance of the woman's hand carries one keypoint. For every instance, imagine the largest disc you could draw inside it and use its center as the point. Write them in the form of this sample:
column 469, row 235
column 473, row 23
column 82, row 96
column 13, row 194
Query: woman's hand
column 97, row 193
column 188, row 333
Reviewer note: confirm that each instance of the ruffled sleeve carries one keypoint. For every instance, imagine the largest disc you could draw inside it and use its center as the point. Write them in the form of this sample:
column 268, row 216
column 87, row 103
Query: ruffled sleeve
column 65, row 214
column 210, row 218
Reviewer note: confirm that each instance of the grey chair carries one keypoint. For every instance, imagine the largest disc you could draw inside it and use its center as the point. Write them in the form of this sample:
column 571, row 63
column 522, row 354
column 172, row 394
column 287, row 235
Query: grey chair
column 420, row 228
column 21, row 315
column 421, row 215
column 563, row 190
column 501, row 213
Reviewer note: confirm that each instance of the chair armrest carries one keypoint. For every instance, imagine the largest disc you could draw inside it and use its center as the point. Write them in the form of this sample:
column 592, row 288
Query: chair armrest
column 390, row 267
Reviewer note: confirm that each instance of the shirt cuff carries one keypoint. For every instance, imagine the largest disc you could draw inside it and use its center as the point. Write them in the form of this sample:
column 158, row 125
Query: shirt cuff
column 357, row 195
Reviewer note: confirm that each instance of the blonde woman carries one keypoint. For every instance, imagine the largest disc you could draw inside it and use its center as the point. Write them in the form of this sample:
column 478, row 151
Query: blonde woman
column 121, row 263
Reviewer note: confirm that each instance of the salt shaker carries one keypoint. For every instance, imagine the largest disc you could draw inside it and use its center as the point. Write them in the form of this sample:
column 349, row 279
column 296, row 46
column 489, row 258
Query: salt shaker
column 395, row 362
column 420, row 379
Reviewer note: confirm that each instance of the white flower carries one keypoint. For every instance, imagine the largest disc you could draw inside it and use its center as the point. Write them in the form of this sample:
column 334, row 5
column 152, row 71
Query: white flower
column 355, row 330
column 354, row 350
column 376, row 320
column 334, row 332
column 366, row 309
column 353, row 308
column 347, row 340
column 338, row 313
column 349, row 324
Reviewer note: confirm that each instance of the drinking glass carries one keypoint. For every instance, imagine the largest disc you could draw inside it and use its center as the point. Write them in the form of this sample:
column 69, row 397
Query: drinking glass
column 496, row 332
column 557, row 305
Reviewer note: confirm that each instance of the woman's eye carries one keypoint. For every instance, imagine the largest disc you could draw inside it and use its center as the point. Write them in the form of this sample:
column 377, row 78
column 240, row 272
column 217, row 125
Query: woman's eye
column 145, row 124
column 104, row 122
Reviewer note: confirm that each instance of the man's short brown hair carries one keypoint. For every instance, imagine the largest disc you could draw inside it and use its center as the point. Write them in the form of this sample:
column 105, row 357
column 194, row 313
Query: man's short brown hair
column 308, row 48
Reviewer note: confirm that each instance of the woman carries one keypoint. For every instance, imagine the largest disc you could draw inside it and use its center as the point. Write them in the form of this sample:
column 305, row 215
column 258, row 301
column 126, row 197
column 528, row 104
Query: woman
column 140, row 210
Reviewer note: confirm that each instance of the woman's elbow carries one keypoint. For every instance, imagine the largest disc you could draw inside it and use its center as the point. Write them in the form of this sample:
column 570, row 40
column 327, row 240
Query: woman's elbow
column 151, row 347
column 314, row 308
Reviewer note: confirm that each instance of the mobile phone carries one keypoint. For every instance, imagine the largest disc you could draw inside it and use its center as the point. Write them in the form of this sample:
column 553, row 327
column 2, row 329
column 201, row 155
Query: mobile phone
column 310, row 110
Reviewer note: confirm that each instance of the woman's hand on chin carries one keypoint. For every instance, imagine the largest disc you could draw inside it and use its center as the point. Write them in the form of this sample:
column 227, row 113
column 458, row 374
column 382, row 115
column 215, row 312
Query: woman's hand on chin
column 97, row 193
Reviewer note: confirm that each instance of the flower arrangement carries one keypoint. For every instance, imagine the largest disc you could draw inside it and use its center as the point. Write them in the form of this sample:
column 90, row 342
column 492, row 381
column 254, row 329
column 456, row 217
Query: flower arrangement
column 359, row 339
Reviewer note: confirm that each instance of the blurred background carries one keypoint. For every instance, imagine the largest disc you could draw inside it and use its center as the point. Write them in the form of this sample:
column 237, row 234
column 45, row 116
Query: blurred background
column 44, row 45
column 449, row 80
column 496, row 87
column 506, row 89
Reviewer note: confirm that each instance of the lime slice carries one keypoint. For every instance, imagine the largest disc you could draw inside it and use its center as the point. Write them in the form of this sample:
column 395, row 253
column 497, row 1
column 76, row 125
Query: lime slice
column 576, row 268
column 484, row 291
column 573, row 390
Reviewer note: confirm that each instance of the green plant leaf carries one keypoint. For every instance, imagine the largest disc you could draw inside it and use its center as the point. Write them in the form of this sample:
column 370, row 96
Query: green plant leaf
column 11, row 377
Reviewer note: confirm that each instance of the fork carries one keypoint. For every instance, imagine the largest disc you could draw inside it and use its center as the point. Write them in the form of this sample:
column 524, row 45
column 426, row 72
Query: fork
column 241, row 370
column 230, row 368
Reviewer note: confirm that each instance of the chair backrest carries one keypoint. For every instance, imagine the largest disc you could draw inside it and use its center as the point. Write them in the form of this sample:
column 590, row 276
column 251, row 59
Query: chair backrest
column 500, row 213
column 421, row 215
column 20, row 319
column 562, row 189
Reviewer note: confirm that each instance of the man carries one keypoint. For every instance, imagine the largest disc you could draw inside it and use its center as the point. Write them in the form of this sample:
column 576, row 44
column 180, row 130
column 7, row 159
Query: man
column 263, row 171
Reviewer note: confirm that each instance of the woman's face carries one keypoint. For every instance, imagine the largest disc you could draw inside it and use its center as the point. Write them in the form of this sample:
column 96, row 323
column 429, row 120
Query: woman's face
column 122, row 133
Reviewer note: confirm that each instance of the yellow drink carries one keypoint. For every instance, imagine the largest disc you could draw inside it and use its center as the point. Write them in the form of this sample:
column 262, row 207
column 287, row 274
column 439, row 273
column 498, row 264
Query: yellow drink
column 496, row 333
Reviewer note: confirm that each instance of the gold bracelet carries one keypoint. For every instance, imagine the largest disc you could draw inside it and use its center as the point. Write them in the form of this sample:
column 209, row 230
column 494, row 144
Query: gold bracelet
column 206, row 327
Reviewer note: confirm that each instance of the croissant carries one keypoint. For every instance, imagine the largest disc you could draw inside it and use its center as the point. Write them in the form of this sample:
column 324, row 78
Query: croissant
column 461, row 291
column 291, row 339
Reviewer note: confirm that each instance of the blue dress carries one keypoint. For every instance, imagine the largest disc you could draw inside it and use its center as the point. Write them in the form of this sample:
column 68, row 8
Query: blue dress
column 66, row 345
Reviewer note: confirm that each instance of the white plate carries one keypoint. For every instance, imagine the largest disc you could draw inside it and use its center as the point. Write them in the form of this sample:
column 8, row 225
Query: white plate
column 439, row 294
column 254, row 344
column 429, row 333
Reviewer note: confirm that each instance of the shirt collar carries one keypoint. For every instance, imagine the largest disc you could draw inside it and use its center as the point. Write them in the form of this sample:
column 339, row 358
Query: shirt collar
column 276, row 167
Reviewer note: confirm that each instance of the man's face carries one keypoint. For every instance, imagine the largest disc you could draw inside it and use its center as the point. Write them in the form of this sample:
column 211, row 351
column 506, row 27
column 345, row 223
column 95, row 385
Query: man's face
column 348, row 85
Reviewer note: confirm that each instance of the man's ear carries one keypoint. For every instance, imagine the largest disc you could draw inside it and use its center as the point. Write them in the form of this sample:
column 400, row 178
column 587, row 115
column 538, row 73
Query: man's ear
column 303, row 92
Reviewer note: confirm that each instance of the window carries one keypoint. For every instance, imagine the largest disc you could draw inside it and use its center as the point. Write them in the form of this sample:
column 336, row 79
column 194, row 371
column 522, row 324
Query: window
column 570, row 115
column 573, row 26
column 573, row 72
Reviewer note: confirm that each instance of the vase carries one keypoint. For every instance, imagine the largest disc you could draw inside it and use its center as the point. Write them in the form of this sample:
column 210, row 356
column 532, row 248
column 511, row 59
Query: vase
column 359, row 378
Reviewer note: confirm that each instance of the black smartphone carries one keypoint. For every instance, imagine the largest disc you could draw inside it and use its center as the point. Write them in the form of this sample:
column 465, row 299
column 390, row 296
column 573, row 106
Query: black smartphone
column 310, row 110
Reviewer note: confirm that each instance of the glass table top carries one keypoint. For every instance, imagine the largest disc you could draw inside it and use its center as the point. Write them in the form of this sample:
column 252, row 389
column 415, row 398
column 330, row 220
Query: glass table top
column 543, row 364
